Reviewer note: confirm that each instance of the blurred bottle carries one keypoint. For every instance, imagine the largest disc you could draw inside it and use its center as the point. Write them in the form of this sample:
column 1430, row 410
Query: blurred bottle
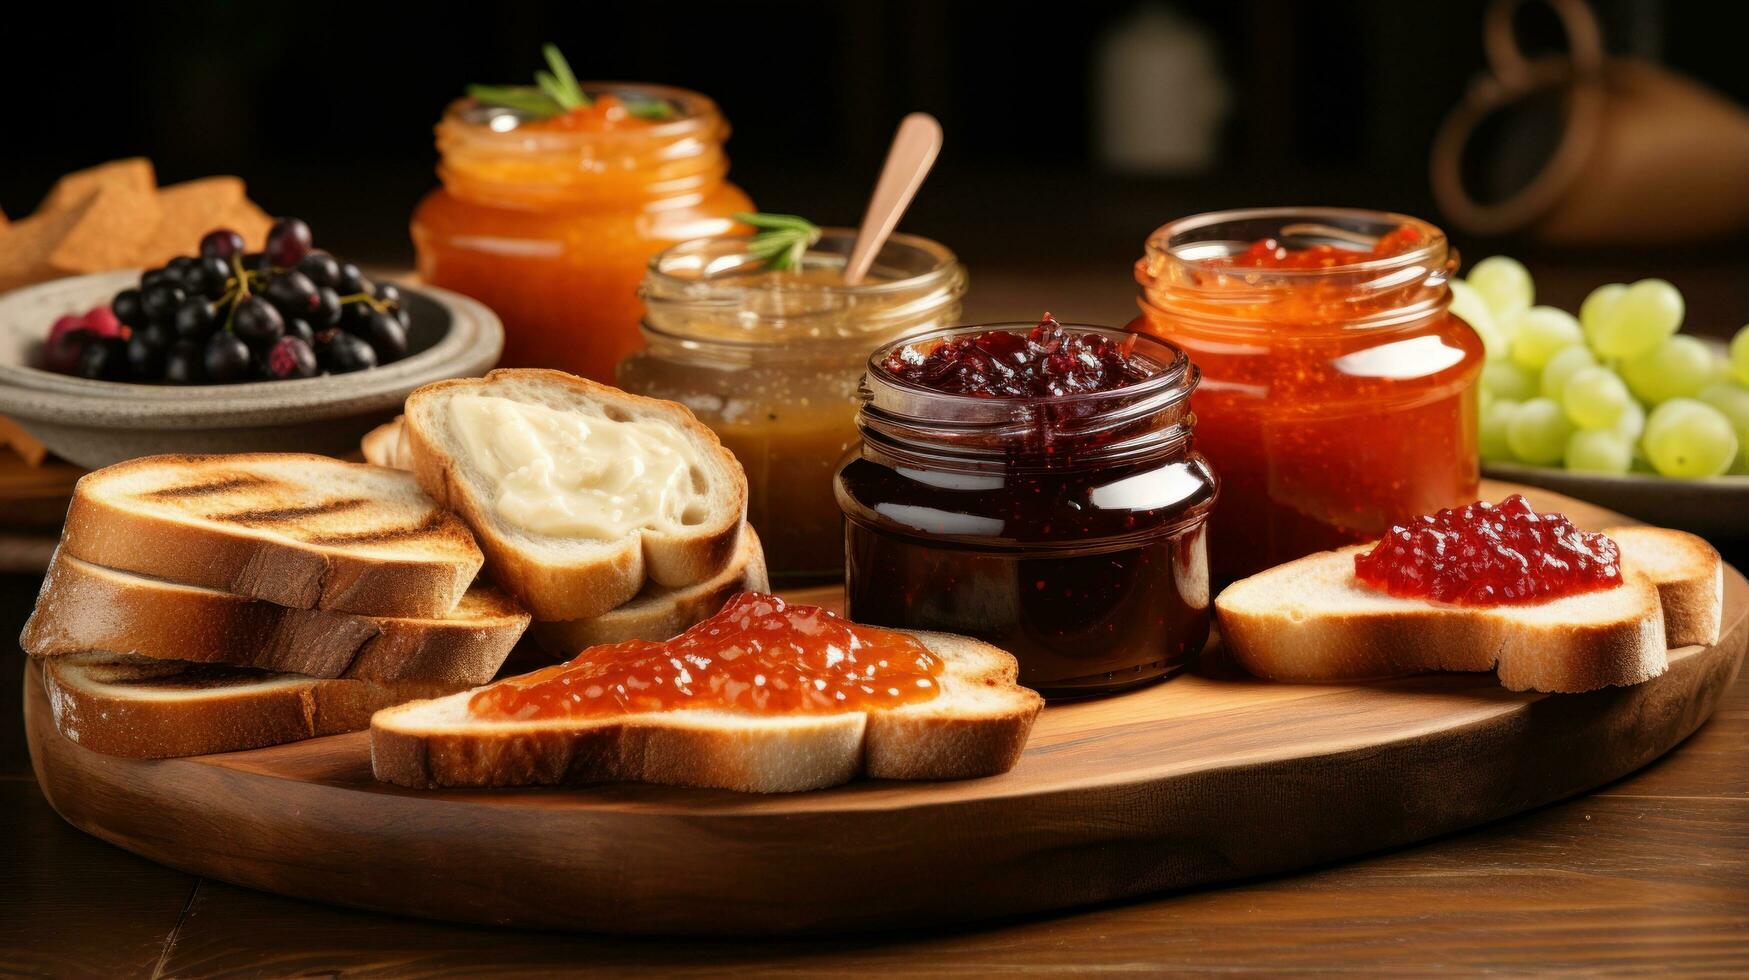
column 1159, row 95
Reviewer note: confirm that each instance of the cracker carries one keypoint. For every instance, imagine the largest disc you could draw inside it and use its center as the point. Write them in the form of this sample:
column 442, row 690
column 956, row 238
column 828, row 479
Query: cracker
column 110, row 233
column 133, row 174
column 25, row 247
column 190, row 210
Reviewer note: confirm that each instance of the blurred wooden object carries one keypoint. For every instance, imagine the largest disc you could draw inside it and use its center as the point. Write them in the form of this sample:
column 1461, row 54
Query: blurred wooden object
column 1644, row 156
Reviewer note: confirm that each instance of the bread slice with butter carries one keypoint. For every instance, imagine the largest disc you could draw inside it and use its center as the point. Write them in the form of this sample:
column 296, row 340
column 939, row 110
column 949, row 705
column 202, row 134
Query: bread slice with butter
column 977, row 726
column 160, row 709
column 657, row 613
column 580, row 494
column 297, row 530
column 84, row 607
column 1313, row 620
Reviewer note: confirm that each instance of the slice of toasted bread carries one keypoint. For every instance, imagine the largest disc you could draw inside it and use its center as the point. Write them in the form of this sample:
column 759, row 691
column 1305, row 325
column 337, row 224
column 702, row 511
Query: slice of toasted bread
column 1689, row 576
column 160, row 709
column 386, row 445
column 976, row 726
column 133, row 174
column 293, row 529
column 578, row 576
column 657, row 613
column 85, row 607
column 1312, row 620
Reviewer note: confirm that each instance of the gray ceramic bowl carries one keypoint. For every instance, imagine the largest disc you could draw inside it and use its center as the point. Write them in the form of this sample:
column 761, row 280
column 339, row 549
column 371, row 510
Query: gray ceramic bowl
column 95, row 423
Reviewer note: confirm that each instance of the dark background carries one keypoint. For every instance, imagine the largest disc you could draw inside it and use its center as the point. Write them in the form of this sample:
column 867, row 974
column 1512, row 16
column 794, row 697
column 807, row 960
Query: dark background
column 326, row 109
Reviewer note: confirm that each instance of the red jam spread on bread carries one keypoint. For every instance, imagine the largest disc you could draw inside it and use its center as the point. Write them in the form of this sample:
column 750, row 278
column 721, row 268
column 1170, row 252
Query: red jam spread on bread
column 1269, row 253
column 758, row 655
column 1044, row 362
column 1490, row 555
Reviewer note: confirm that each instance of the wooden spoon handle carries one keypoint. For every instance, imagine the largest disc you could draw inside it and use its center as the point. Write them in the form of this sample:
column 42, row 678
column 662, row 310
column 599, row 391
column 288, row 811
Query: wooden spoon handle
column 914, row 148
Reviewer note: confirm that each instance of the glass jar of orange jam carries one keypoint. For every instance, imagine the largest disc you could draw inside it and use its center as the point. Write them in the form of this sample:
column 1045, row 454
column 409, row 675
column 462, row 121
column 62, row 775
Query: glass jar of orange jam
column 1337, row 393
column 770, row 360
column 551, row 222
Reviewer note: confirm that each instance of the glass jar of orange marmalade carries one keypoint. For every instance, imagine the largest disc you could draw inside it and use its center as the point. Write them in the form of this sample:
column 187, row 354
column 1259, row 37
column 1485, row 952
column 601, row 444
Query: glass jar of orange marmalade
column 1337, row 393
column 551, row 222
column 770, row 360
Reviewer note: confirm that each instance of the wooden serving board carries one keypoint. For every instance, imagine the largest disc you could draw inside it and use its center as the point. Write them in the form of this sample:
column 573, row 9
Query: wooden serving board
column 1209, row 777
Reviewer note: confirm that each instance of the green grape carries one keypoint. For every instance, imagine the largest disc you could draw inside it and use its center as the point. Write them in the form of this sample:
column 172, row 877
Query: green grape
column 1677, row 368
column 1595, row 398
column 1631, row 424
column 1561, row 367
column 1507, row 380
column 1740, row 356
column 1541, row 332
column 1732, row 401
column 1505, row 284
column 1491, row 430
column 1690, row 439
column 1633, row 322
column 1599, row 451
column 1539, row 431
column 1469, row 306
column 1594, row 313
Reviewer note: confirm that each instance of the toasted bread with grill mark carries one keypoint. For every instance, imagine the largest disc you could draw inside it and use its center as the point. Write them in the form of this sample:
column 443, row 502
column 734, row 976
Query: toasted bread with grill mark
column 84, row 607
column 297, row 530
column 977, row 726
column 159, row 709
column 560, row 578
column 1689, row 576
column 657, row 613
column 1312, row 620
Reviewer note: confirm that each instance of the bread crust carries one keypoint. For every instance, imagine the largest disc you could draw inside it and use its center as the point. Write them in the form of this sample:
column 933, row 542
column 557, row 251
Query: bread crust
column 657, row 613
column 554, row 591
column 238, row 713
column 285, row 572
column 977, row 726
column 84, row 607
column 1689, row 576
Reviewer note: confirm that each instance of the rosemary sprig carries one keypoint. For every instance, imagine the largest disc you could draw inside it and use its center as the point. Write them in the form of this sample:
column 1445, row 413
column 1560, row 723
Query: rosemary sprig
column 556, row 92
column 779, row 240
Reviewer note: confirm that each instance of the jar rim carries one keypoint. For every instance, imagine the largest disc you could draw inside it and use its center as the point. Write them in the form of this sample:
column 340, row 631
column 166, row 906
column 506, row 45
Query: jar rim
column 1165, row 241
column 695, row 110
column 658, row 269
column 1177, row 371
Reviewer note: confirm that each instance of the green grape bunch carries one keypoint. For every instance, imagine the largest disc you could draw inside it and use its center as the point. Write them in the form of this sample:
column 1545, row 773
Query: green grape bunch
column 1616, row 388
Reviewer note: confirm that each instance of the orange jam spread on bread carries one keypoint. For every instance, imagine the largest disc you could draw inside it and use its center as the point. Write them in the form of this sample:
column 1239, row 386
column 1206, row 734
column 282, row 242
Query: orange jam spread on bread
column 759, row 655
column 1490, row 555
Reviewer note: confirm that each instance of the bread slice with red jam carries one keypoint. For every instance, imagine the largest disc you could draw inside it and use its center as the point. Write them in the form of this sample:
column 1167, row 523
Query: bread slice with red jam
column 1433, row 599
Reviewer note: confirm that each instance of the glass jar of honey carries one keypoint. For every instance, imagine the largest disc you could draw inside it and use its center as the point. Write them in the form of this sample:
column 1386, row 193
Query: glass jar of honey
column 551, row 224
column 1337, row 393
column 770, row 360
column 1066, row 529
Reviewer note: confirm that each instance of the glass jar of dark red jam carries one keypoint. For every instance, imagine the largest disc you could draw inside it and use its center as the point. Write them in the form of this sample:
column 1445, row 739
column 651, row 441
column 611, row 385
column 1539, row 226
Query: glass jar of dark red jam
column 1065, row 529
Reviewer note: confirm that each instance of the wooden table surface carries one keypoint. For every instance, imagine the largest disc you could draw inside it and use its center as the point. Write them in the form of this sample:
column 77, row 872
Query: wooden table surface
column 1650, row 874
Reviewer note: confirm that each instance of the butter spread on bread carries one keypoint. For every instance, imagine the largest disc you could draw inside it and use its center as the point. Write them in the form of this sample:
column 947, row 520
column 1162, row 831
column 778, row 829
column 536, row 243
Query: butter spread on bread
column 579, row 494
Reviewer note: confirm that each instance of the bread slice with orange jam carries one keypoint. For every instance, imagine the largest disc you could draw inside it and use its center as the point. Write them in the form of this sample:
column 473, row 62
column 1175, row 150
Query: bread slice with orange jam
column 1313, row 620
column 976, row 726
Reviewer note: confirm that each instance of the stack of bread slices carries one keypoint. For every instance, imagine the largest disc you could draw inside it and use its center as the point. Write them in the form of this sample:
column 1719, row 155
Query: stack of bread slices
column 649, row 579
column 212, row 603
